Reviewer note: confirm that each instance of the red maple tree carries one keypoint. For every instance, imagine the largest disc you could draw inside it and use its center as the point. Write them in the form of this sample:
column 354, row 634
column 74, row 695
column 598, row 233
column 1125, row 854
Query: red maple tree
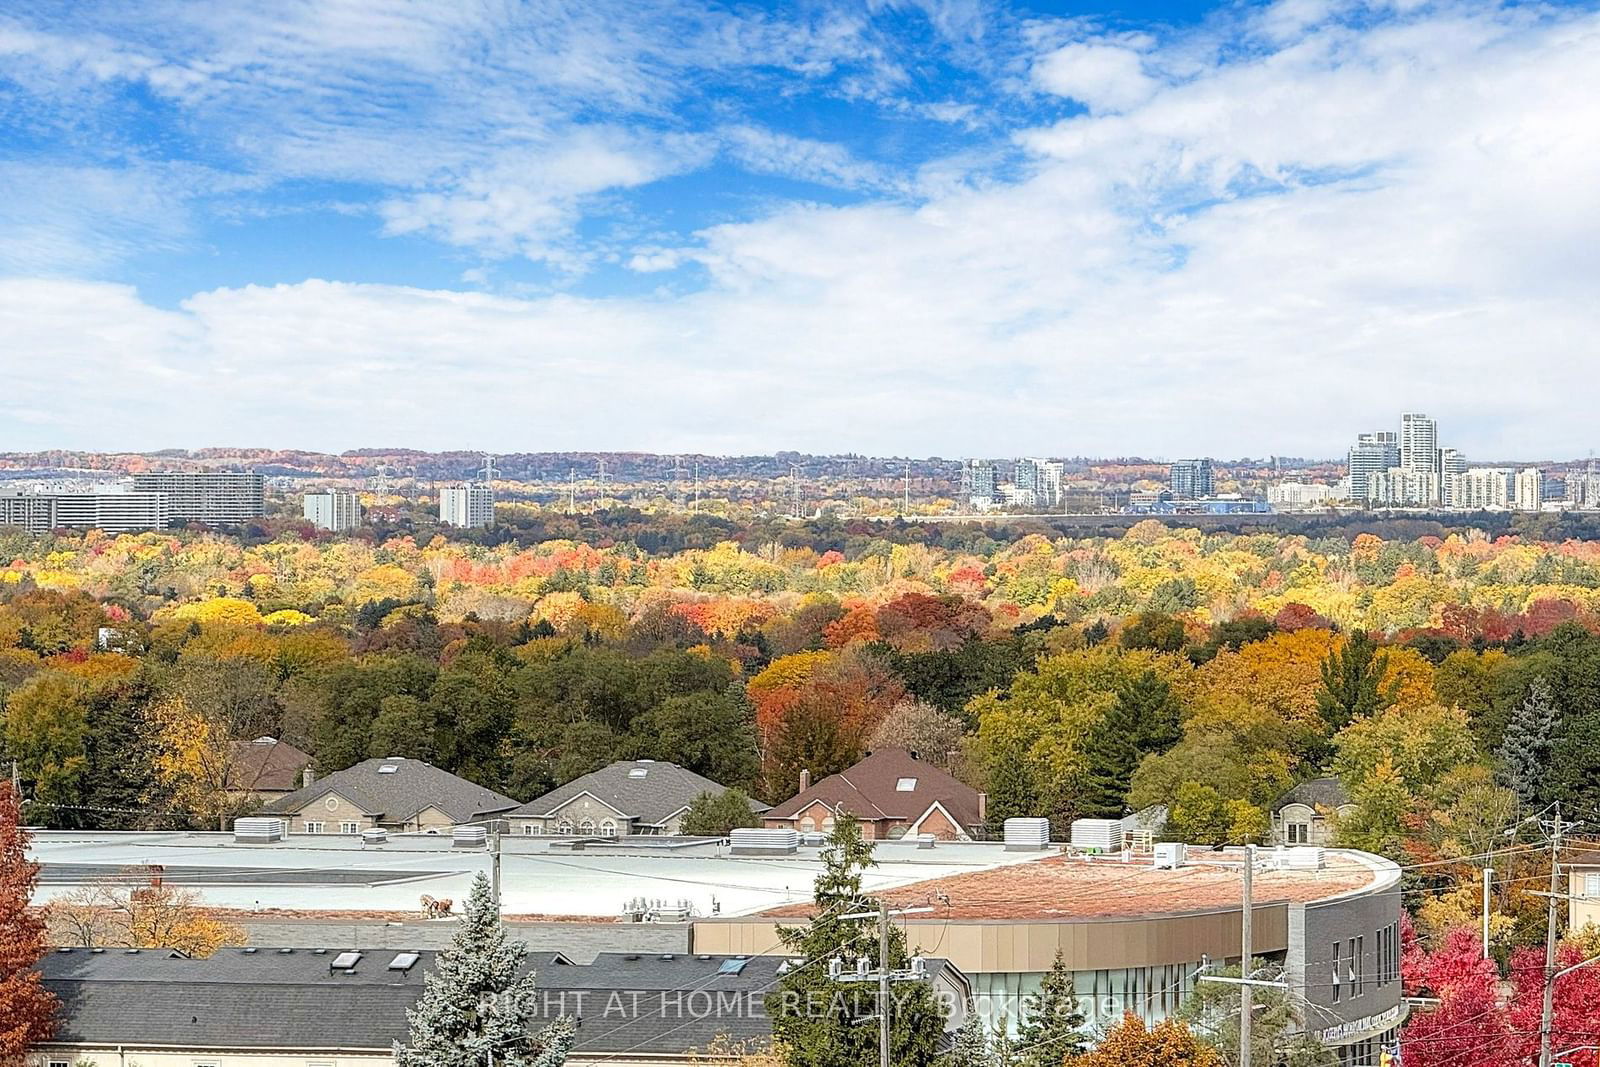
column 1469, row 1028
column 27, row 1008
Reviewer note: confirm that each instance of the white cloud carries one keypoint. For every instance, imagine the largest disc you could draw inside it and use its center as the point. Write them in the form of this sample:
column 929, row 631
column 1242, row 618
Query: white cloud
column 1102, row 77
column 1264, row 253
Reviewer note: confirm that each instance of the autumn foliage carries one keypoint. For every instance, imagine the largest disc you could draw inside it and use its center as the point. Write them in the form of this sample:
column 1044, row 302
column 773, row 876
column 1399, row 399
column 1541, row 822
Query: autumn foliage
column 27, row 1009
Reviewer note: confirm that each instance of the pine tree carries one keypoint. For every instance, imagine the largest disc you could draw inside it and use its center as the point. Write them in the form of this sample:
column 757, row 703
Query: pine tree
column 1012, row 793
column 27, row 1009
column 1525, row 752
column 477, row 1004
column 1051, row 1021
column 1352, row 682
column 970, row 1047
column 820, row 1021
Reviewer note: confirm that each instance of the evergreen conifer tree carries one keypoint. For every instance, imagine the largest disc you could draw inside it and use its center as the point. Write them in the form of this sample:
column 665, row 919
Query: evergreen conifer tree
column 477, row 1003
column 1051, row 1021
column 970, row 1048
column 1352, row 682
column 820, row 1021
column 1525, row 752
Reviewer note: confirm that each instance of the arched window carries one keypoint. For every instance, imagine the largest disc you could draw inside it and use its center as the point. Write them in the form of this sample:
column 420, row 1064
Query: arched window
column 564, row 827
column 807, row 825
column 827, row 825
column 586, row 827
column 608, row 829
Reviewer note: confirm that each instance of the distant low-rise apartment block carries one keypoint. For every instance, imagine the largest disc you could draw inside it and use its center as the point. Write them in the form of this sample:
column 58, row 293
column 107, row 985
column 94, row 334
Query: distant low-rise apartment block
column 469, row 506
column 216, row 498
column 39, row 513
column 1299, row 496
column 333, row 509
column 1191, row 479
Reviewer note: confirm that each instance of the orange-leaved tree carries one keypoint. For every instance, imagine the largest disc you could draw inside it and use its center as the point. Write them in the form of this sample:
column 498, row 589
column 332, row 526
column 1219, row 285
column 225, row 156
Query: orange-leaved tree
column 27, row 1008
column 1132, row 1044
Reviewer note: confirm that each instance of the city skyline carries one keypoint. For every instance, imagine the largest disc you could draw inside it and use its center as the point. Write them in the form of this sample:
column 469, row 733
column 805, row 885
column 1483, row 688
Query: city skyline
column 939, row 228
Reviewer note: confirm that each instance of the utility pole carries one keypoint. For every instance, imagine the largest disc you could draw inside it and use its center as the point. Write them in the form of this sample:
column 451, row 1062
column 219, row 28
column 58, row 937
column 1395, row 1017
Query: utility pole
column 1246, row 949
column 905, row 508
column 883, row 982
column 494, row 869
column 1547, row 1011
column 1488, row 878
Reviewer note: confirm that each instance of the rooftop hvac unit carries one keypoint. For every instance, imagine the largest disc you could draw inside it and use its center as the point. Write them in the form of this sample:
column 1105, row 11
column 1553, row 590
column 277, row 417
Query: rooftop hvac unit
column 1170, row 855
column 469, row 837
column 925, row 840
column 1306, row 858
column 814, row 839
column 376, row 836
column 758, row 841
column 1097, row 835
column 257, row 831
column 1027, row 834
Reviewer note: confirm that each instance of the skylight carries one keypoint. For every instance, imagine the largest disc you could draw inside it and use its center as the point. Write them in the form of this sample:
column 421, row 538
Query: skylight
column 732, row 966
column 905, row 785
column 344, row 960
column 403, row 962
column 638, row 772
column 387, row 769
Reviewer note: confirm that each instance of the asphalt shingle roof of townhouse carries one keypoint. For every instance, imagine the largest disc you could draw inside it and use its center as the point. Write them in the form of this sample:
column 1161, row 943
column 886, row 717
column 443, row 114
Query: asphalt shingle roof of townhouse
column 396, row 795
column 648, row 791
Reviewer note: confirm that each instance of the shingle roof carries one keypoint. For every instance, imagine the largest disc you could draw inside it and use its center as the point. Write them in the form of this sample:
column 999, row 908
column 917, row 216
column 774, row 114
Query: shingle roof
column 869, row 790
column 1316, row 793
column 648, row 791
column 397, row 795
column 269, row 999
column 267, row 765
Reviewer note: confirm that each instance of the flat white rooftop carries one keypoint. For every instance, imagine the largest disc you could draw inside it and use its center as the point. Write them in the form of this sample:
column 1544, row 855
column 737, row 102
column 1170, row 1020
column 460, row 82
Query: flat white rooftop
column 539, row 876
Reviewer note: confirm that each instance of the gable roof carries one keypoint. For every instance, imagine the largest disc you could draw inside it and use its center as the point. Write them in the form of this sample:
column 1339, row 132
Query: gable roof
column 267, row 765
column 1316, row 793
column 869, row 790
column 397, row 795
column 647, row 791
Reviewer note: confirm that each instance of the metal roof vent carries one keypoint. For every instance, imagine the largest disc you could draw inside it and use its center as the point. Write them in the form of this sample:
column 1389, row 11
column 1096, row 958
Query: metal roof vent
column 285, row 951
column 133, row 952
column 98, row 951
column 319, row 952
column 668, row 956
column 248, row 951
column 63, row 950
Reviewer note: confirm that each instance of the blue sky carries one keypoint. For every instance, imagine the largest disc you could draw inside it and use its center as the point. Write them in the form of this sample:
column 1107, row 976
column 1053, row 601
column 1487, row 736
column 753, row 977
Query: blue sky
column 935, row 228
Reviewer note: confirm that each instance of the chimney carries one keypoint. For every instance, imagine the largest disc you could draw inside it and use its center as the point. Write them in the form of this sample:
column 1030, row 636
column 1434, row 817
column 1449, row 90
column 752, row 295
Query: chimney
column 983, row 807
column 805, row 780
column 307, row 776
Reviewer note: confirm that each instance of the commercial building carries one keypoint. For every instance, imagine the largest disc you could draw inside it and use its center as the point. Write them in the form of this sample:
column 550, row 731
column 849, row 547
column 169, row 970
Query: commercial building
column 625, row 798
column 405, row 795
column 1191, row 479
column 332, row 1007
column 333, row 509
column 216, row 498
column 39, row 513
column 1136, row 936
column 467, row 506
column 1374, row 453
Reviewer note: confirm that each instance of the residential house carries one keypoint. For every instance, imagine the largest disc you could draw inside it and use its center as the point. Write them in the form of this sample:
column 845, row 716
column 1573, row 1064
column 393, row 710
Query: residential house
column 1300, row 816
column 280, row 1007
column 266, row 769
column 627, row 797
column 1583, row 895
column 402, row 795
column 892, row 793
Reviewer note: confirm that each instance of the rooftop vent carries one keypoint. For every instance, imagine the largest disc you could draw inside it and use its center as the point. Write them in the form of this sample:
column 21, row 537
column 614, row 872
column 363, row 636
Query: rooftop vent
column 1027, row 834
column 703, row 959
column 285, row 951
column 404, row 961
column 756, row 841
column 319, row 952
column 98, row 951
column 1097, row 835
column 631, row 956
column 248, row 951
column 345, row 961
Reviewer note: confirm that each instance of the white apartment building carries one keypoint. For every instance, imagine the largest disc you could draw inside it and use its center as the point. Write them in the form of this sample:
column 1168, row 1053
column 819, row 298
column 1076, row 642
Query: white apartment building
column 39, row 513
column 1402, row 487
column 1419, row 448
column 333, row 509
column 1529, row 489
column 1373, row 453
column 469, row 506
column 1484, row 489
column 218, row 498
column 1299, row 496
column 1583, row 489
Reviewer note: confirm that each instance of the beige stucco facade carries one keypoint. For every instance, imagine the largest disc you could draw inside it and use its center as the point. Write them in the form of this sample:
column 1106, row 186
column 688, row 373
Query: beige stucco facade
column 585, row 814
column 335, row 814
column 818, row 817
column 1583, row 904
column 1302, row 824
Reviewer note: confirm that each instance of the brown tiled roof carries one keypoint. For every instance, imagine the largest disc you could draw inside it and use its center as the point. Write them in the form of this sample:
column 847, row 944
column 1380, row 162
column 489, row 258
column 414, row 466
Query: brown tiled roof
column 267, row 765
column 869, row 791
column 1065, row 887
